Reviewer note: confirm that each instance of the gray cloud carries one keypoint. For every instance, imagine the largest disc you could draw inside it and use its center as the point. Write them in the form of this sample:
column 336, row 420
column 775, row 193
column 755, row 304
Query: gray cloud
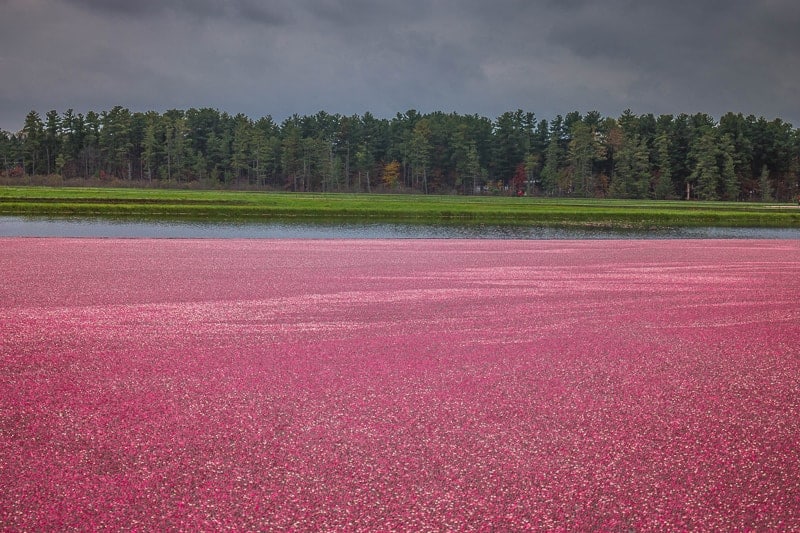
column 250, row 10
column 351, row 56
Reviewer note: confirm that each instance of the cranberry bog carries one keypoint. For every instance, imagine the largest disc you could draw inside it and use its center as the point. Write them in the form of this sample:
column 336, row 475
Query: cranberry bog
column 399, row 384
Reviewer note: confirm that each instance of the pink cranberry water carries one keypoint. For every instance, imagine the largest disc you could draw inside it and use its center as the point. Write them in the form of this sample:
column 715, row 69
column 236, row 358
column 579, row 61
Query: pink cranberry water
column 399, row 385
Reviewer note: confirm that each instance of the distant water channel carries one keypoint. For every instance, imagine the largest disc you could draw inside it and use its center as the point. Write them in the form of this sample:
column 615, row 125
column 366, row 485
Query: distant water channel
column 103, row 228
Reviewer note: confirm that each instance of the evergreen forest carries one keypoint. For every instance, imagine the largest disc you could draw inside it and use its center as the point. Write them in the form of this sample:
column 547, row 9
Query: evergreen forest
column 738, row 158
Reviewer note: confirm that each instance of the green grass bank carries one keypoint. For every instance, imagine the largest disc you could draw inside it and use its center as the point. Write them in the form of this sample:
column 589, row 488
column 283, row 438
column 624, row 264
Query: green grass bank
column 235, row 205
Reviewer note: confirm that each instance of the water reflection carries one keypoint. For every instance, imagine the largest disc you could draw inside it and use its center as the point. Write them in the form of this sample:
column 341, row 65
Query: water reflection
column 50, row 227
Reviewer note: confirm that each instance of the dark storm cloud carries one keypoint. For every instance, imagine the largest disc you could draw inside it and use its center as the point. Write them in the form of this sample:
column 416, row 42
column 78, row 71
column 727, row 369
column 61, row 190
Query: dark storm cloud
column 350, row 56
column 703, row 56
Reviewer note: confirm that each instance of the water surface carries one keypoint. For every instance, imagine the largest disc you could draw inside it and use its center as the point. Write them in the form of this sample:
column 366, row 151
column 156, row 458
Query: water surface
column 95, row 227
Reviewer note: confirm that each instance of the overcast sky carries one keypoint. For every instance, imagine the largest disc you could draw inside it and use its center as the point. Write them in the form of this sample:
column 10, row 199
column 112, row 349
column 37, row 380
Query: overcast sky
column 282, row 57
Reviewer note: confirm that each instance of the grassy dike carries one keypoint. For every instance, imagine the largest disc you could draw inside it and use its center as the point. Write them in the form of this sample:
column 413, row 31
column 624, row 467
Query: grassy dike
column 252, row 206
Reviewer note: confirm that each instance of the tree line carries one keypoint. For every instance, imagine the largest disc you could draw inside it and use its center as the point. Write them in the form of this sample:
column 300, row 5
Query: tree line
column 586, row 155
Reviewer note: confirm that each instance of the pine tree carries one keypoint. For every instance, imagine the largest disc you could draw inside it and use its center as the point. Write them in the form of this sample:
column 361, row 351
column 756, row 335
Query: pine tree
column 420, row 149
column 706, row 174
column 664, row 188
column 242, row 152
column 764, row 185
column 33, row 134
column 552, row 167
column 151, row 145
column 730, row 182
column 631, row 178
column 52, row 139
column 582, row 149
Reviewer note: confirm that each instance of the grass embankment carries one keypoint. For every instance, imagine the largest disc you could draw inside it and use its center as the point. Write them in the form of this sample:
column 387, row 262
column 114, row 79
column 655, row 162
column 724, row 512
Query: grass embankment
column 232, row 205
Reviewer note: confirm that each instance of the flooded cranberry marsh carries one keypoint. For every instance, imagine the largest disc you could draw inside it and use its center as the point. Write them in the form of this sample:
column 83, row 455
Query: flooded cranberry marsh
column 279, row 384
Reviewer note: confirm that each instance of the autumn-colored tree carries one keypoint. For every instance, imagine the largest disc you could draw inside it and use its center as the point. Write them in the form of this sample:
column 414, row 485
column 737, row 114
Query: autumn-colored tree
column 391, row 174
